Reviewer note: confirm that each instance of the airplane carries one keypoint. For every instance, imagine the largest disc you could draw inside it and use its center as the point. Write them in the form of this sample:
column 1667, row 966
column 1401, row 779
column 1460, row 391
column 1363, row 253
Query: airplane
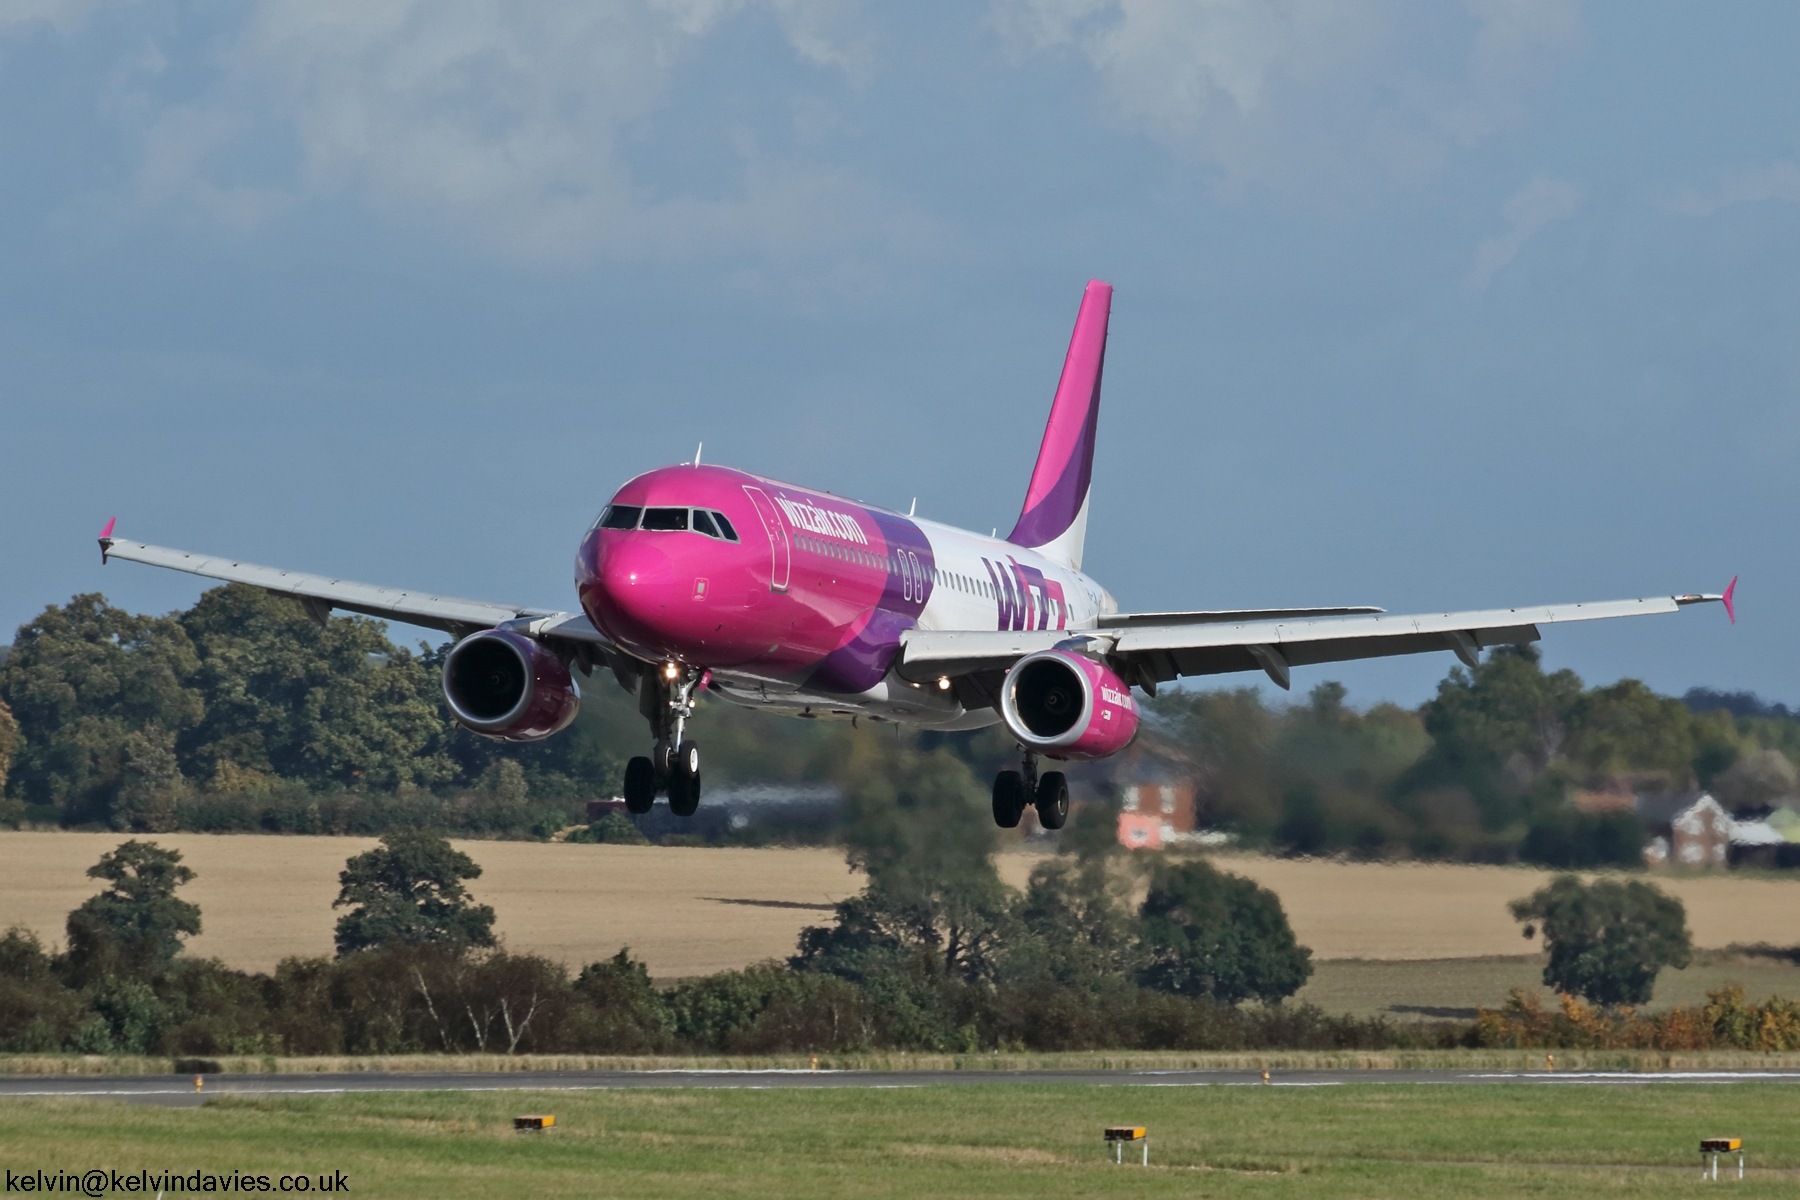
column 794, row 600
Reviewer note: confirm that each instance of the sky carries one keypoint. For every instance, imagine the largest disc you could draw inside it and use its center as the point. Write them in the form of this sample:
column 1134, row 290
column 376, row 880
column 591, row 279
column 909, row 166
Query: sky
column 1422, row 305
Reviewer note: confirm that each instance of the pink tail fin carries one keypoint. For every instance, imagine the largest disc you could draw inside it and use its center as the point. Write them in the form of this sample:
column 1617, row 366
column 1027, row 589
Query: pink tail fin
column 1054, row 519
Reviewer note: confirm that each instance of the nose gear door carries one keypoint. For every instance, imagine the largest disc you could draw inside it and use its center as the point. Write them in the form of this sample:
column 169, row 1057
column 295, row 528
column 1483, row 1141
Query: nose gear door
column 779, row 552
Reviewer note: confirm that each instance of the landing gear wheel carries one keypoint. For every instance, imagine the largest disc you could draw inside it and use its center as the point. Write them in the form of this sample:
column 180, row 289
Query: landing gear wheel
column 1009, row 799
column 640, row 785
column 1053, row 800
column 684, row 780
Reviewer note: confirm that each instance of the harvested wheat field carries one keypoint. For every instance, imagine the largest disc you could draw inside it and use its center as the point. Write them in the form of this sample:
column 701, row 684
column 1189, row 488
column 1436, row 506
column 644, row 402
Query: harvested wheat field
column 684, row 911
column 694, row 910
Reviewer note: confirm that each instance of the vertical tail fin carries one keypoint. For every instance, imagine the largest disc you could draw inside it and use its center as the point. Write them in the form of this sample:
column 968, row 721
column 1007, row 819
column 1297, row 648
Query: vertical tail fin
column 1054, row 520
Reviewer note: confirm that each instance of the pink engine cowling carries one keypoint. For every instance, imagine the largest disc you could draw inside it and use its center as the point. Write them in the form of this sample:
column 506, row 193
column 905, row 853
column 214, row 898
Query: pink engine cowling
column 1065, row 706
column 506, row 685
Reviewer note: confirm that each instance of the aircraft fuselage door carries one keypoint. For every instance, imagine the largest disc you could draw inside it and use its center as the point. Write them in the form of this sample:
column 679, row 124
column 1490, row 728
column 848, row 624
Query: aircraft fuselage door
column 780, row 553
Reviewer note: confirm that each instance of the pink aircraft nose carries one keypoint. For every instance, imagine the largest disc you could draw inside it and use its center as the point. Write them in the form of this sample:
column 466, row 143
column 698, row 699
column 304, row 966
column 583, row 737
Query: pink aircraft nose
column 637, row 586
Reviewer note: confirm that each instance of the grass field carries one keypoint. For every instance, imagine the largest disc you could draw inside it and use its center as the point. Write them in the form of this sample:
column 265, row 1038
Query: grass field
column 691, row 911
column 1451, row 989
column 992, row 1141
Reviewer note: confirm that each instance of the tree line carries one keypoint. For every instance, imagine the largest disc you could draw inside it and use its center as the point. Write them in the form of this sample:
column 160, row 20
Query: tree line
column 242, row 714
column 935, row 953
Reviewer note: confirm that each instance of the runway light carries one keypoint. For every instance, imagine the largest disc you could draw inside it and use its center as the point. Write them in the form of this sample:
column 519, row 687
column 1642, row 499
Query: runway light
column 944, row 684
column 671, row 671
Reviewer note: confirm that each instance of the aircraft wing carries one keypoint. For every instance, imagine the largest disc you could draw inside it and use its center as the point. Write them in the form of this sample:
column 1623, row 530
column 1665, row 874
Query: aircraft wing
column 320, row 594
column 1149, row 654
column 1227, row 616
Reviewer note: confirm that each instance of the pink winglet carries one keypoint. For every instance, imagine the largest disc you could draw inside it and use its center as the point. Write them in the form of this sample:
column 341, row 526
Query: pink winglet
column 1730, row 611
column 705, row 679
column 107, row 532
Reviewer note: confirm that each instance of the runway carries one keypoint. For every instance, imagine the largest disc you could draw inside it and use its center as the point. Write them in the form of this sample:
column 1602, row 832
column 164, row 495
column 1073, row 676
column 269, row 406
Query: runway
column 179, row 1090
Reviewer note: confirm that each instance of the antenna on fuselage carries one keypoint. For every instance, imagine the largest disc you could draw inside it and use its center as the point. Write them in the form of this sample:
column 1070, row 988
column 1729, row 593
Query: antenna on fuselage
column 698, row 446
column 914, row 507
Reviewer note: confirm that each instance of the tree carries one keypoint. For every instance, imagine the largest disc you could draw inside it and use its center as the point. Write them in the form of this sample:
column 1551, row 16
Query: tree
column 1629, row 727
column 9, row 743
column 336, row 703
column 921, row 828
column 1496, row 729
column 150, row 782
column 1207, row 933
column 1078, row 929
column 409, row 892
column 135, row 926
column 1607, row 939
column 81, row 679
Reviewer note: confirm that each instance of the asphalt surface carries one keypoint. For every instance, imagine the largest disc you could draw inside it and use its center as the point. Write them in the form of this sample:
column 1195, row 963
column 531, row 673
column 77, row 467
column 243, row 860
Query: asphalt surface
column 179, row 1090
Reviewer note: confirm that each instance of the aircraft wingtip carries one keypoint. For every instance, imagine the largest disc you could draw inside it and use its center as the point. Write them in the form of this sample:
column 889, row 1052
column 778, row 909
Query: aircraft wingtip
column 1730, row 605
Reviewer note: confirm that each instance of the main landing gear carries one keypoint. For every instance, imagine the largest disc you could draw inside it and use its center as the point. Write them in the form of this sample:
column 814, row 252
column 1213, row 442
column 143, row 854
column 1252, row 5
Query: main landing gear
column 1013, row 790
column 666, row 698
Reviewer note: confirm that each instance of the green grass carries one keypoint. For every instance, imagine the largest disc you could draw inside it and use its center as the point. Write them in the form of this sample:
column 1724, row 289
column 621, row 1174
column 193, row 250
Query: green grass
column 1037, row 1141
column 1452, row 988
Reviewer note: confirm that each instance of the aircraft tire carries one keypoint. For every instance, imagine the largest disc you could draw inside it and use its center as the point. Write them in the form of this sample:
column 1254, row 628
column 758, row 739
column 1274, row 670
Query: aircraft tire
column 1009, row 799
column 1053, row 800
column 684, row 780
column 640, row 785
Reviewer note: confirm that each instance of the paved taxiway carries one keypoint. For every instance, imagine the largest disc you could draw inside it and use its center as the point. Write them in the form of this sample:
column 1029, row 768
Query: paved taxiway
column 179, row 1089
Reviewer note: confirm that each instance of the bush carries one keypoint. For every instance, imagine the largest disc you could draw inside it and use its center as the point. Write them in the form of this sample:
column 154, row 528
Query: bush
column 612, row 828
column 1571, row 840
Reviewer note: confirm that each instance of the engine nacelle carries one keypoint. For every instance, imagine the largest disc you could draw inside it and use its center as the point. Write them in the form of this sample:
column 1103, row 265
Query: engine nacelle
column 506, row 685
column 1065, row 706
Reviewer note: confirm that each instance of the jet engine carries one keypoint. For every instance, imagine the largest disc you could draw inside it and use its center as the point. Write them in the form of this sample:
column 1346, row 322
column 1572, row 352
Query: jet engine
column 1065, row 706
column 506, row 685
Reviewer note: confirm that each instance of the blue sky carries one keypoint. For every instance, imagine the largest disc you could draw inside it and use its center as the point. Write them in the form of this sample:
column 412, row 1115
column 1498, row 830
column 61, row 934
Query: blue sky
column 1418, row 305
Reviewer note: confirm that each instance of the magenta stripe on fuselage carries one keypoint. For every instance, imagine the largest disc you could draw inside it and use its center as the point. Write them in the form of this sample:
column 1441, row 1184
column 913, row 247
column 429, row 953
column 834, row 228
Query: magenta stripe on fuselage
column 857, row 577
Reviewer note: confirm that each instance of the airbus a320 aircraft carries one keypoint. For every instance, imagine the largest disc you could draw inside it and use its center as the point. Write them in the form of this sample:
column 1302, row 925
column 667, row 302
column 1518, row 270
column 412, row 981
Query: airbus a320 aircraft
column 800, row 602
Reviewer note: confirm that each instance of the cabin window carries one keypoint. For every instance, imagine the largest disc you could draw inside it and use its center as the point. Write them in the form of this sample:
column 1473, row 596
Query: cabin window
column 703, row 523
column 665, row 518
column 620, row 516
column 725, row 529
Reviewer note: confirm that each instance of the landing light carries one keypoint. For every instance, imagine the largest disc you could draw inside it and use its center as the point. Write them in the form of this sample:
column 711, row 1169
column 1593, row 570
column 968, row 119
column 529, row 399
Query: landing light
column 944, row 684
column 671, row 671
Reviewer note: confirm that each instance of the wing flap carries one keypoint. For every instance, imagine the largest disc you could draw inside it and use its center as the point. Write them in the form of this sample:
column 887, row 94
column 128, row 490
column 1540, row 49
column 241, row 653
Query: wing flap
column 1228, row 616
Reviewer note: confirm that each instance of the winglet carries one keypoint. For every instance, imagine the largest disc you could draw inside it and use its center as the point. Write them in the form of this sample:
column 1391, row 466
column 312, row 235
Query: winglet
column 106, row 538
column 1725, row 597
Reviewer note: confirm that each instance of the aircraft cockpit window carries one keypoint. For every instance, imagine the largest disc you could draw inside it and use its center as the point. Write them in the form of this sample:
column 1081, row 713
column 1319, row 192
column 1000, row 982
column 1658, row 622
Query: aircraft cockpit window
column 665, row 518
column 703, row 523
column 725, row 529
column 620, row 516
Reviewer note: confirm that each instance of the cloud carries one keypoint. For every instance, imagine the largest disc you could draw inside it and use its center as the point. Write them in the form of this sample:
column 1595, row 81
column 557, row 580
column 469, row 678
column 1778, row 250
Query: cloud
column 1539, row 203
column 1352, row 93
column 524, row 128
column 1777, row 181
column 64, row 16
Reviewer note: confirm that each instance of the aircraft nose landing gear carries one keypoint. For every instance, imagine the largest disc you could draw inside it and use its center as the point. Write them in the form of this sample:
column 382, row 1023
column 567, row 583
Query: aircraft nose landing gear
column 1013, row 790
column 666, row 699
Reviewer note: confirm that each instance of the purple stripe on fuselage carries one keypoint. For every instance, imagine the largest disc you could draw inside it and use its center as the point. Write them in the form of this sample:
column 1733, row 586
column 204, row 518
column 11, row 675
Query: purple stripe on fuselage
column 860, row 663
